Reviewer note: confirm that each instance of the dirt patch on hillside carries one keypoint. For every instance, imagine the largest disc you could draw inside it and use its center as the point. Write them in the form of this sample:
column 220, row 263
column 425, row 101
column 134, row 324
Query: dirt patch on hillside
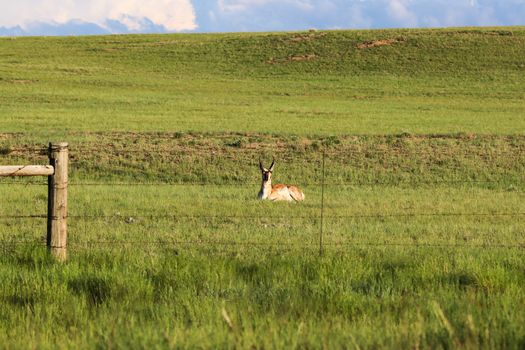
column 308, row 57
column 377, row 43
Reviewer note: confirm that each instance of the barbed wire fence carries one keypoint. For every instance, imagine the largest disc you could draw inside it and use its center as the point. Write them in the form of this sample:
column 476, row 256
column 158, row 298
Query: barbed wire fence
column 281, row 246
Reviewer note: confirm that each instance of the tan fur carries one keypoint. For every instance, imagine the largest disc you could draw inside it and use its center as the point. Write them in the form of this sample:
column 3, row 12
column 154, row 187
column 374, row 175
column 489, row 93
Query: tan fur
column 278, row 192
column 282, row 192
column 296, row 193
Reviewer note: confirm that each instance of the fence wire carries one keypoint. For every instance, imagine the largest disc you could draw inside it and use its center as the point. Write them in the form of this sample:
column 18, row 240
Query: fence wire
column 255, row 184
column 140, row 244
column 266, row 217
column 327, row 154
column 346, row 244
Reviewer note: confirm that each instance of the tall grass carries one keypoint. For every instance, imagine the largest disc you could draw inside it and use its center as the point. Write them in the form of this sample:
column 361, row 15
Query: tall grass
column 165, row 298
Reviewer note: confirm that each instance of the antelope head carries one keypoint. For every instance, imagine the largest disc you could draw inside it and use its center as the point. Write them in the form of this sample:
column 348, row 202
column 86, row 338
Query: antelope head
column 266, row 173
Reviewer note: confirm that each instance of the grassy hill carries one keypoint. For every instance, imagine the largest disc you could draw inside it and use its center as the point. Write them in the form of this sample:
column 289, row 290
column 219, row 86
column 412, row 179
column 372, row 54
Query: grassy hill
column 423, row 231
column 323, row 83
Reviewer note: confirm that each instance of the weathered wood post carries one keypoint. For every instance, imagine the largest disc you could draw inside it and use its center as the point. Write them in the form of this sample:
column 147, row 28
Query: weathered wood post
column 57, row 201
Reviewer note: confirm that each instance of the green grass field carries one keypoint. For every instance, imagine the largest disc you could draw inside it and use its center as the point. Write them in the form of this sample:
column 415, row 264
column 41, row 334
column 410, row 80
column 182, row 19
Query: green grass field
column 423, row 221
column 321, row 83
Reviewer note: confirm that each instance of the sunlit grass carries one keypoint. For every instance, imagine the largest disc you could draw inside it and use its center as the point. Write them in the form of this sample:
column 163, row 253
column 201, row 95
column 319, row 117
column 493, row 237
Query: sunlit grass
column 430, row 81
column 423, row 216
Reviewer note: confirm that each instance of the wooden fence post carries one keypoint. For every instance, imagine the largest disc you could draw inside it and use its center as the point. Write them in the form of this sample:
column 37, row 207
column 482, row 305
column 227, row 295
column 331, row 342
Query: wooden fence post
column 57, row 201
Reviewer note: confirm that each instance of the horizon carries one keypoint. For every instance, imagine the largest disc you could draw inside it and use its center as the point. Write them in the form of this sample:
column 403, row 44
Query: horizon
column 105, row 17
column 265, row 32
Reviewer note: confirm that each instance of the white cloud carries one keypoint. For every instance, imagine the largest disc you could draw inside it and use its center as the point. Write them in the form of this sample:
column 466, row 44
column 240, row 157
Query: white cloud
column 355, row 17
column 68, row 17
column 399, row 10
column 174, row 15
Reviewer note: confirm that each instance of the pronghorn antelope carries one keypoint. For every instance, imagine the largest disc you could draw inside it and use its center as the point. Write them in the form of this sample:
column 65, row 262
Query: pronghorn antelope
column 277, row 192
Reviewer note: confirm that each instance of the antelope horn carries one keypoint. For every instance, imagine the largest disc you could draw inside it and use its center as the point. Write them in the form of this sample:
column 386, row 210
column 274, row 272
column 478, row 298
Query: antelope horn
column 271, row 166
column 261, row 165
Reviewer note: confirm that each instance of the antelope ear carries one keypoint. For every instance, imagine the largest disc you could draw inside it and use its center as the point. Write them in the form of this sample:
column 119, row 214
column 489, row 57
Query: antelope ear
column 271, row 166
column 261, row 165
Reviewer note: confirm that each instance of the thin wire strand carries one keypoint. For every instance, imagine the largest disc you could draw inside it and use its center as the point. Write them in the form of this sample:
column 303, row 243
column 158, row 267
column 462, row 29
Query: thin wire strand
column 312, row 246
column 390, row 151
column 341, row 183
column 31, row 243
column 250, row 184
column 260, row 217
column 22, row 183
column 175, row 216
column 8, row 150
column 31, row 216
column 330, row 152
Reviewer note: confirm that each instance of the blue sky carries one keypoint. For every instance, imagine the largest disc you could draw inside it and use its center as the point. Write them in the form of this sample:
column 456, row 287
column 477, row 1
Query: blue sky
column 78, row 17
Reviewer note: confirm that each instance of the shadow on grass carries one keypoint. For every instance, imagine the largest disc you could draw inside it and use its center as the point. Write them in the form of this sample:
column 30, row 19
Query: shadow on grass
column 23, row 301
column 96, row 290
column 461, row 279
column 30, row 256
